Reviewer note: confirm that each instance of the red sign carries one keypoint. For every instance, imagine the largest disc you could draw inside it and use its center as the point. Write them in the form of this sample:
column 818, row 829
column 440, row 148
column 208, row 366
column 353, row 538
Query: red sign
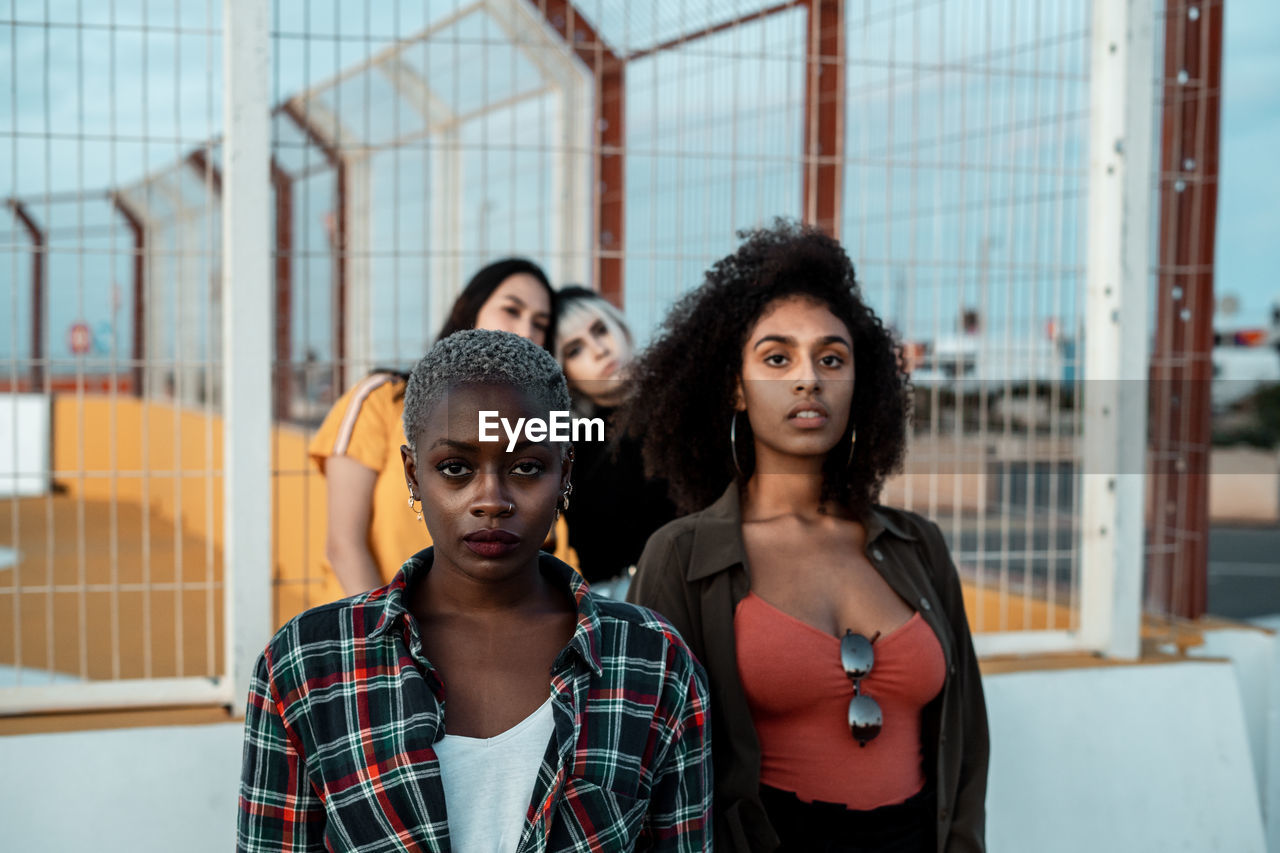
column 1251, row 337
column 79, row 338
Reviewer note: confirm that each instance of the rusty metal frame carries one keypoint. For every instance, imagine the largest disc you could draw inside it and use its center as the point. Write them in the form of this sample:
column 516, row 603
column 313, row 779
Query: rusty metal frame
column 609, row 72
column 1181, row 361
column 824, row 116
column 823, row 172
column 39, row 249
column 139, row 229
column 203, row 166
column 680, row 41
column 282, row 184
column 331, row 153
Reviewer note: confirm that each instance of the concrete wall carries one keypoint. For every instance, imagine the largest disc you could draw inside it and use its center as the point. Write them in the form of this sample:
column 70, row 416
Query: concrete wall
column 1124, row 759
column 1153, row 757
column 137, row 790
column 1256, row 658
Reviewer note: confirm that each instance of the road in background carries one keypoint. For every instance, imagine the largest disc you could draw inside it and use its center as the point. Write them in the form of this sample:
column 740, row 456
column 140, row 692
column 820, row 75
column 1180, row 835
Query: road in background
column 1244, row 571
column 1244, row 561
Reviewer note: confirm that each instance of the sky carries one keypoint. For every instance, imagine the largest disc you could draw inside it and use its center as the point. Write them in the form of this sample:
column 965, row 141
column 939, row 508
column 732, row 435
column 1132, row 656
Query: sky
column 691, row 182
column 1247, row 261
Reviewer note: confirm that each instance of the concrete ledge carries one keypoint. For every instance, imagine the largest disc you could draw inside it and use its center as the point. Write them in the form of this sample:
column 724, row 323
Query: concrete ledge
column 1121, row 758
column 140, row 790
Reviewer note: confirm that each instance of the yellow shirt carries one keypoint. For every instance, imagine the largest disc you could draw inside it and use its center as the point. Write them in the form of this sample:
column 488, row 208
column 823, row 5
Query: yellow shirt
column 366, row 424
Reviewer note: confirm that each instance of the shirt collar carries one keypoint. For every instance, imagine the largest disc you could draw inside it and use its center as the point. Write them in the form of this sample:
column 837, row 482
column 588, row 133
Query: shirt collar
column 585, row 642
column 390, row 599
column 717, row 537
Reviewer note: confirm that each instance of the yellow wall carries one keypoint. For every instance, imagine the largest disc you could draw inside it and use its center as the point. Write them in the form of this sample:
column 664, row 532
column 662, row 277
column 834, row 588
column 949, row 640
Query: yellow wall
column 173, row 456
column 170, row 459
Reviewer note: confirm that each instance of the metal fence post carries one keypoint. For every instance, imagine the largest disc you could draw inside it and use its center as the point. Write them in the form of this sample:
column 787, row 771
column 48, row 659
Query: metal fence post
column 1116, row 326
column 246, row 335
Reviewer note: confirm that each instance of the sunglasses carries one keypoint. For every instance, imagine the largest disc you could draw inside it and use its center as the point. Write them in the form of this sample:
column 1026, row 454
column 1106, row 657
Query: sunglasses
column 857, row 657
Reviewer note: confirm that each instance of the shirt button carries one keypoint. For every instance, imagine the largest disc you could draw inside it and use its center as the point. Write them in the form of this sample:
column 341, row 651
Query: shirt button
column 924, row 604
column 942, row 814
column 952, row 669
column 876, row 552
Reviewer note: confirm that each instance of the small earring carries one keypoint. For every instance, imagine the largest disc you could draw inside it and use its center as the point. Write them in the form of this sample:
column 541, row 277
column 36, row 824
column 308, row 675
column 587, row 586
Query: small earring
column 853, row 440
column 563, row 503
column 411, row 507
column 733, row 442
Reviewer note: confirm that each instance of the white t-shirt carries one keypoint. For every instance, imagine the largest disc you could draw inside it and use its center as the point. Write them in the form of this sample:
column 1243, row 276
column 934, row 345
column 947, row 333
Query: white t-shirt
column 488, row 782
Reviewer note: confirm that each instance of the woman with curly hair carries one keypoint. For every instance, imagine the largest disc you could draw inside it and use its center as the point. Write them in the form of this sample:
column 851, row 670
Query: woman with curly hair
column 847, row 706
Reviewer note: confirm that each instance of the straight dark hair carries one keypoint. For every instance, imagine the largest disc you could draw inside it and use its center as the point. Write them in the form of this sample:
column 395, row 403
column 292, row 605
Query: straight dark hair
column 481, row 287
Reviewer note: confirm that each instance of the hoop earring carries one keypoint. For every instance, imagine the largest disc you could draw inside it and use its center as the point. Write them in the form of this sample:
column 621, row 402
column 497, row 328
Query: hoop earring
column 733, row 443
column 853, row 440
column 411, row 508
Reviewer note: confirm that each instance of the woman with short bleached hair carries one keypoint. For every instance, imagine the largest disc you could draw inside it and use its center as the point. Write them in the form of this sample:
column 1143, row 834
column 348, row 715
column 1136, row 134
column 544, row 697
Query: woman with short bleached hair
column 617, row 508
column 572, row 723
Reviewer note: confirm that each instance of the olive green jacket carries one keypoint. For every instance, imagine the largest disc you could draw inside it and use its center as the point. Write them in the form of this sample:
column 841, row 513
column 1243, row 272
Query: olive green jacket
column 693, row 571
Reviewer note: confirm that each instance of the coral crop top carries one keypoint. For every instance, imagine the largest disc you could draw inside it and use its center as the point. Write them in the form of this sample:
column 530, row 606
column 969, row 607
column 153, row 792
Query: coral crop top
column 799, row 697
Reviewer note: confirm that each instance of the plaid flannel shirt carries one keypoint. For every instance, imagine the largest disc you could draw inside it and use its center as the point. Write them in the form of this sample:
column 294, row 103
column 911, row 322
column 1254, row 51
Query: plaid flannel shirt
column 344, row 709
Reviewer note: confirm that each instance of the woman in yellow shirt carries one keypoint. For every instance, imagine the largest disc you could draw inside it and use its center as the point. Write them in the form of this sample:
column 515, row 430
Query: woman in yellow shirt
column 357, row 448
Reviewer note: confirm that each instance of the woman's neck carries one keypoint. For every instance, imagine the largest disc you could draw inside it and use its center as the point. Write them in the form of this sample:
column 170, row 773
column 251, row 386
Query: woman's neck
column 449, row 590
column 610, row 399
column 786, row 485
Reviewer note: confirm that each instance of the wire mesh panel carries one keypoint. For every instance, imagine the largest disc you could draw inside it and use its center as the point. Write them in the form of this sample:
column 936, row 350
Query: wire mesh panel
column 413, row 143
column 715, row 129
column 619, row 145
column 111, row 576
column 965, row 178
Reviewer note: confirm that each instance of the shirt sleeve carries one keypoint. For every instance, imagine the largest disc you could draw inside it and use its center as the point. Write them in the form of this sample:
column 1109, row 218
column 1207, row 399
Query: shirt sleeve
column 279, row 809
column 679, row 818
column 360, row 424
column 659, row 585
column 968, row 825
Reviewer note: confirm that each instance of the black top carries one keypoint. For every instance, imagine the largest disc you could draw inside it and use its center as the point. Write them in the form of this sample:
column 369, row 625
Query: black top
column 613, row 508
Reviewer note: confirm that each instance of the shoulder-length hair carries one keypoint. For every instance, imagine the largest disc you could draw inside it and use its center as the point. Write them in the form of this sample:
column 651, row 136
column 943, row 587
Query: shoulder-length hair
column 481, row 287
column 574, row 301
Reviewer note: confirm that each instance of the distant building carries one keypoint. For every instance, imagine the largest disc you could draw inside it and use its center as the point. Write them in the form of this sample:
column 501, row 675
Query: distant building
column 1244, row 359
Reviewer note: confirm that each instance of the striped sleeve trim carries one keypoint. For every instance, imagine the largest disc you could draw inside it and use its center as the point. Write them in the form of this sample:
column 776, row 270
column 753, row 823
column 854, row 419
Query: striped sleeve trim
column 348, row 425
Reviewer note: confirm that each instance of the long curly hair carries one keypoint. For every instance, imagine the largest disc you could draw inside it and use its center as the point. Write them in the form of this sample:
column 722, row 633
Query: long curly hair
column 685, row 382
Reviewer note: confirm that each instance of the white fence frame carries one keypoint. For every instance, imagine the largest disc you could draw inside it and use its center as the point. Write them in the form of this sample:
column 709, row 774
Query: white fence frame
column 246, row 205
column 1113, row 499
column 246, row 360
column 1113, row 488
column 246, row 336
column 1113, row 482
